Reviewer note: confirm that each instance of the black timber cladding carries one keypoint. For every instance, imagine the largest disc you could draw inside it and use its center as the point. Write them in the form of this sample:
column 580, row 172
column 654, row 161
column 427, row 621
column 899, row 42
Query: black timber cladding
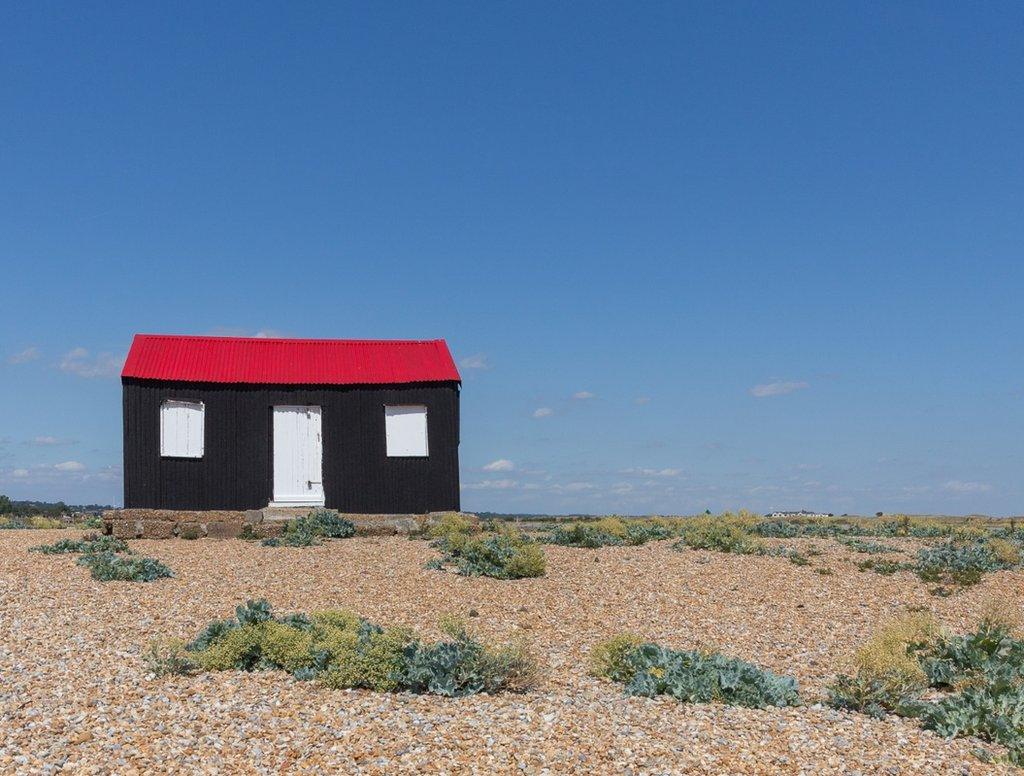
column 236, row 470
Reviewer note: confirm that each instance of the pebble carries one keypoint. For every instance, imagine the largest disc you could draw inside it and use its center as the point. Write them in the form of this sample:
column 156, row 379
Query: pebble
column 76, row 697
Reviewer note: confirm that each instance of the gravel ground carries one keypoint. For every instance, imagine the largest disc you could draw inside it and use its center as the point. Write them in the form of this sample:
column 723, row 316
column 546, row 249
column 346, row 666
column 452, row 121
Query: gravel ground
column 74, row 693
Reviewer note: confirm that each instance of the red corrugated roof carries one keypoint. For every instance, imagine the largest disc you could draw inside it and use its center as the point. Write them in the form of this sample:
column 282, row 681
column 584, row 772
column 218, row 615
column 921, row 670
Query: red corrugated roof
column 288, row 361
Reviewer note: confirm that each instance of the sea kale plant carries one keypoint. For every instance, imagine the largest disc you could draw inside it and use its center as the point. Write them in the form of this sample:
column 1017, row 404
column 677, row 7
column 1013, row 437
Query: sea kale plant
column 502, row 554
column 341, row 650
column 110, row 566
column 108, row 559
column 975, row 681
column 90, row 543
column 724, row 533
column 612, row 531
column 964, row 563
column 309, row 530
column 690, row 676
column 960, row 560
column 821, row 527
column 870, row 548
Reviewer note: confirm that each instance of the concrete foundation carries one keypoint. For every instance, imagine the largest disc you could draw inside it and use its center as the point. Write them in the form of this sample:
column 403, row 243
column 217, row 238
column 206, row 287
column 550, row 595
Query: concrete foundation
column 254, row 523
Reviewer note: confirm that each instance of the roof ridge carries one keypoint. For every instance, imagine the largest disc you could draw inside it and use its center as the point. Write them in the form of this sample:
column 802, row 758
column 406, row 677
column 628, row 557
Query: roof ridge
column 209, row 358
column 310, row 340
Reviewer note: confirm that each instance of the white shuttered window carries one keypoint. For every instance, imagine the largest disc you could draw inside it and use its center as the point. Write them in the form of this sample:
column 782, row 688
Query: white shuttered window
column 181, row 429
column 406, row 427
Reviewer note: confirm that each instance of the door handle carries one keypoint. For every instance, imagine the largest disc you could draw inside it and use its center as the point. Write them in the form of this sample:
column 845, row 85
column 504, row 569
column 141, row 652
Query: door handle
column 311, row 483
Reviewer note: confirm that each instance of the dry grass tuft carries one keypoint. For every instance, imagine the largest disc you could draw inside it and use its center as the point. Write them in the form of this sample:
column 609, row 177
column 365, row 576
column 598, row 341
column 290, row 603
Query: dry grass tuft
column 888, row 654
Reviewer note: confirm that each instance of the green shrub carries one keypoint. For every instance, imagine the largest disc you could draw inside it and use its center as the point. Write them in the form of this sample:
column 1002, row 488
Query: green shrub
column 461, row 665
column 979, row 675
column 502, row 556
column 891, row 653
column 373, row 659
column 165, row 657
column 87, row 544
column 109, row 567
column 612, row 531
column 583, row 535
column 342, row 650
column 309, row 530
column 901, row 525
column 505, row 555
column 884, row 567
column 719, row 534
column 779, row 529
column 1006, row 552
column 327, row 523
column 193, row 532
column 871, row 548
column 964, row 564
column 108, row 559
column 872, row 696
column 693, row 676
column 610, row 659
column 43, row 522
column 451, row 524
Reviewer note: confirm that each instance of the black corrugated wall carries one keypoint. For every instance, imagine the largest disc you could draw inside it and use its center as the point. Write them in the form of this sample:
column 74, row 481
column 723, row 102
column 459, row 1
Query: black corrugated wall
column 236, row 470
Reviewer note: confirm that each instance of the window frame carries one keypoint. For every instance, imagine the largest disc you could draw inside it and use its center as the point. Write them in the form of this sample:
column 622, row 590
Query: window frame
column 426, row 431
column 202, row 426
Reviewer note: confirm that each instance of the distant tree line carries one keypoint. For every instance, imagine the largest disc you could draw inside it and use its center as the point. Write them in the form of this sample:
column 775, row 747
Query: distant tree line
column 47, row 508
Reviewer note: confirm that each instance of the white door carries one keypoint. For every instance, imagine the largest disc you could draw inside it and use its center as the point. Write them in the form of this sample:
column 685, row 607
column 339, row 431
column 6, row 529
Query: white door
column 298, row 457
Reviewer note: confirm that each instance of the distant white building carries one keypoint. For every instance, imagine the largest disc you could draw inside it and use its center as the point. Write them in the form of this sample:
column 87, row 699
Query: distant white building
column 801, row 513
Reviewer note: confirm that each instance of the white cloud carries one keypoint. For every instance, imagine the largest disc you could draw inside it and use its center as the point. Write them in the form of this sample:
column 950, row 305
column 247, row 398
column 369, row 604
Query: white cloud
column 24, row 356
column 49, row 441
column 476, row 361
column 79, row 362
column 582, row 395
column 501, row 465
column 68, row 472
column 776, row 389
column 959, row 486
column 574, row 487
column 491, row 485
column 542, row 412
column 652, row 472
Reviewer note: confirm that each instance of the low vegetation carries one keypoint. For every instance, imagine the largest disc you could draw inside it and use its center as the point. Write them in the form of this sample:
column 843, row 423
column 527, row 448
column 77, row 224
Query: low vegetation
column 869, row 548
column 111, row 566
column 342, row 650
column 956, row 562
column 504, row 553
column 48, row 515
column 108, row 559
column 724, row 533
column 964, row 563
column 690, row 676
column 974, row 682
column 310, row 530
column 90, row 543
column 612, row 531
column 828, row 528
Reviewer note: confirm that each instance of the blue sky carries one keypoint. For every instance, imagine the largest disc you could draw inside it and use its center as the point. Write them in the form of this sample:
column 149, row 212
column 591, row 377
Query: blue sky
column 689, row 255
